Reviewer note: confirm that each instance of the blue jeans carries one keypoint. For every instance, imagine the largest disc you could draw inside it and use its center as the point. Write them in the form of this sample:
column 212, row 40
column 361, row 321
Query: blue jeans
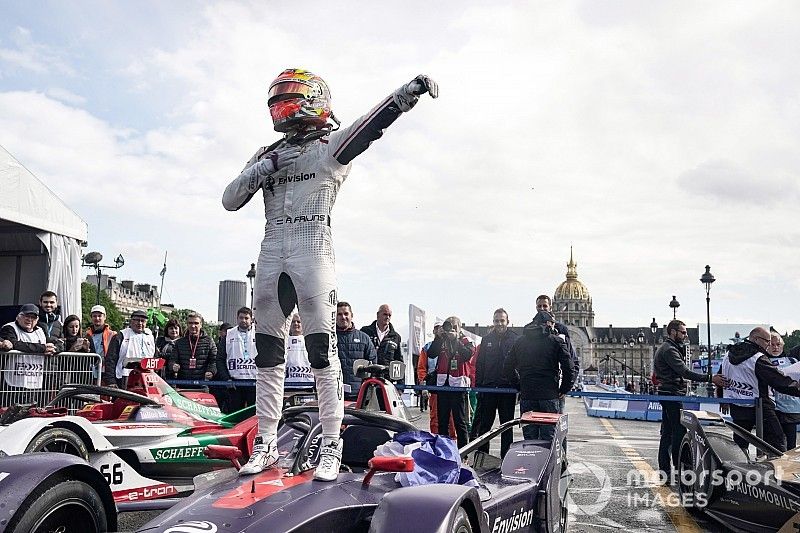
column 536, row 431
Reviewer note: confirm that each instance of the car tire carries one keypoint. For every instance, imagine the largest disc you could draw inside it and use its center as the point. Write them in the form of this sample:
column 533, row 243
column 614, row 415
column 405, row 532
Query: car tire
column 694, row 496
column 67, row 506
column 461, row 524
column 59, row 440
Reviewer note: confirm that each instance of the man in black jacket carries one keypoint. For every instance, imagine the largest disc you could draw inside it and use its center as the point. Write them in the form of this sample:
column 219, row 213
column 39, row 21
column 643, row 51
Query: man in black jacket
column 533, row 367
column 195, row 354
column 489, row 359
column 543, row 303
column 747, row 369
column 385, row 339
column 672, row 373
column 351, row 344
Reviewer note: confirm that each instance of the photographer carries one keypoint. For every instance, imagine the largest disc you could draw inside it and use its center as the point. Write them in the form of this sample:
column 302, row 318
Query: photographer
column 452, row 351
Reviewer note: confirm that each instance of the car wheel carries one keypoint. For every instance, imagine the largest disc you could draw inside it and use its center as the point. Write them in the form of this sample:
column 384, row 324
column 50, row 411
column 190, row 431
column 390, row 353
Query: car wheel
column 59, row 440
column 694, row 475
column 461, row 524
column 66, row 507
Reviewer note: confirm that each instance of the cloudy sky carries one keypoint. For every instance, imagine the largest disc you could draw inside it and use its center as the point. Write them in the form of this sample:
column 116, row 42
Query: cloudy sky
column 653, row 137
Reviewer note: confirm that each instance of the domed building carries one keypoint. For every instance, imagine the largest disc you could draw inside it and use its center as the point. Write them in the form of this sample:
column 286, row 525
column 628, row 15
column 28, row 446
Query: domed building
column 610, row 352
column 572, row 303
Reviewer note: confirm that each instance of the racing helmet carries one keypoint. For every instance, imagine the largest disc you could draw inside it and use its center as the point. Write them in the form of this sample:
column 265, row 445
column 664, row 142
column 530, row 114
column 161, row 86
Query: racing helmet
column 298, row 97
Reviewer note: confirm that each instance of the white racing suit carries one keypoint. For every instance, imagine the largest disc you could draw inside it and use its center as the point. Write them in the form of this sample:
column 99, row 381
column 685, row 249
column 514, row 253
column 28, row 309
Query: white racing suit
column 296, row 263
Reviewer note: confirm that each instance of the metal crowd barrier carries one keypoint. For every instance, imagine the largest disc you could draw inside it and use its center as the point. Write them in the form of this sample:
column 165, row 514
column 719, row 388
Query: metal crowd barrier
column 28, row 378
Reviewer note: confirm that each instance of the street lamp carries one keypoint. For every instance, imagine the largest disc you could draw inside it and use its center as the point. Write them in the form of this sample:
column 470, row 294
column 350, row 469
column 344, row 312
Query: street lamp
column 641, row 340
column 251, row 276
column 674, row 304
column 614, row 357
column 707, row 279
column 653, row 330
column 93, row 259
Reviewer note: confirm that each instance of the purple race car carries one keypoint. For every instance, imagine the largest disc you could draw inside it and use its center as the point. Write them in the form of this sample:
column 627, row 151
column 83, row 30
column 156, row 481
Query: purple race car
column 47, row 492
column 526, row 491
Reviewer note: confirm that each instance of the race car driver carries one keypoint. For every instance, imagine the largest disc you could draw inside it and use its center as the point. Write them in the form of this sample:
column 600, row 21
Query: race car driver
column 299, row 176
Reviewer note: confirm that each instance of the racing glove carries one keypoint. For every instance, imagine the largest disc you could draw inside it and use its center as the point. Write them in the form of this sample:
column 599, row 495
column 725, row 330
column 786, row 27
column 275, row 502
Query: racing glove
column 406, row 96
column 275, row 160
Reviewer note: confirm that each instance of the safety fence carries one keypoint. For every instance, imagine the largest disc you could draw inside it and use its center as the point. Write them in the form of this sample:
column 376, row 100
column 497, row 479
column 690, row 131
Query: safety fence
column 36, row 378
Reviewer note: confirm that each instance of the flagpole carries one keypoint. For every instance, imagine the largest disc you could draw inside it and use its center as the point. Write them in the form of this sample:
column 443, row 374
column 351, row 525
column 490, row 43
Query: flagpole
column 163, row 273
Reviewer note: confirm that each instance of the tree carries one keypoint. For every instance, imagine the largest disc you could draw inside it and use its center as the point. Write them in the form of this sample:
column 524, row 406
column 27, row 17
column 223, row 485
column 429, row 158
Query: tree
column 790, row 341
column 89, row 298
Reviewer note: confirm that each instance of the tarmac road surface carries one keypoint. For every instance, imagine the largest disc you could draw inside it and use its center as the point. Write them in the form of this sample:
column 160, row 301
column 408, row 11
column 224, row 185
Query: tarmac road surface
column 614, row 487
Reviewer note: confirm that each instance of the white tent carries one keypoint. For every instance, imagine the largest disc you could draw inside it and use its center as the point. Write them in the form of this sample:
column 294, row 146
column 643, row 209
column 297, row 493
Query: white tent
column 40, row 240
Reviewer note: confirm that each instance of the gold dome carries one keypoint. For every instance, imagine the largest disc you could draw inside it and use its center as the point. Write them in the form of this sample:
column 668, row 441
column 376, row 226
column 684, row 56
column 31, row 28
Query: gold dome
column 572, row 289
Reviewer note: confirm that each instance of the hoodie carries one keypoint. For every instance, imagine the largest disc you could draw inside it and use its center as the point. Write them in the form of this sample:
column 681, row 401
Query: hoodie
column 766, row 374
column 533, row 364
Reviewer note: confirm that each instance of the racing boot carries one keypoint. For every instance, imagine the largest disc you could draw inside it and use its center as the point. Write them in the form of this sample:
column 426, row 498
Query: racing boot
column 330, row 459
column 264, row 456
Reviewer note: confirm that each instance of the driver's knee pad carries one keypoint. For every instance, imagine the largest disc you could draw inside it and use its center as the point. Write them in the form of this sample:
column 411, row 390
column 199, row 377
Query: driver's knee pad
column 271, row 351
column 320, row 346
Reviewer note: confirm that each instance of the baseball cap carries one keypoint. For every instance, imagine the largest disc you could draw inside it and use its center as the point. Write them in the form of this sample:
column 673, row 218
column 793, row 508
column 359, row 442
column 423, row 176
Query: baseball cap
column 98, row 309
column 29, row 309
column 225, row 326
column 139, row 314
column 543, row 317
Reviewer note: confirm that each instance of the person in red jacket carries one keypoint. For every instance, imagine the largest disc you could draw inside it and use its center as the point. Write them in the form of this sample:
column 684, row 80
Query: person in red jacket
column 426, row 373
column 453, row 352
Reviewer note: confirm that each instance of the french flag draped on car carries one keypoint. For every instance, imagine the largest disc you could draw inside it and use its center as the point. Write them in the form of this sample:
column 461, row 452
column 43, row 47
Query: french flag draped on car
column 436, row 459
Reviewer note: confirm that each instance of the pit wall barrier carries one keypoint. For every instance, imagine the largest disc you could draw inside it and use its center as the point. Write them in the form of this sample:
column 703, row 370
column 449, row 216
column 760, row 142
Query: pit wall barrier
column 646, row 407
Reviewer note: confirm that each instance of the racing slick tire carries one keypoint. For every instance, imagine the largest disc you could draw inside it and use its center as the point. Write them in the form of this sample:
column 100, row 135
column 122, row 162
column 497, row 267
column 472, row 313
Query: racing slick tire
column 61, row 440
column 66, row 506
column 461, row 524
column 694, row 477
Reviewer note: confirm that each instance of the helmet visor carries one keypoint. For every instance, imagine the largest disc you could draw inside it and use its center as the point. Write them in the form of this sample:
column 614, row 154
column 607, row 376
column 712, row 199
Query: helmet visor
column 291, row 89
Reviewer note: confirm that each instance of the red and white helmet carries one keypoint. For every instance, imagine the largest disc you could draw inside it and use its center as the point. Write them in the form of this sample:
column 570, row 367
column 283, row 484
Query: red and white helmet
column 299, row 97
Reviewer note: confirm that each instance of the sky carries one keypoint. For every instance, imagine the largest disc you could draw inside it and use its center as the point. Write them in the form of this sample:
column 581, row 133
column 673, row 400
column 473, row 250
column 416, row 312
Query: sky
column 653, row 137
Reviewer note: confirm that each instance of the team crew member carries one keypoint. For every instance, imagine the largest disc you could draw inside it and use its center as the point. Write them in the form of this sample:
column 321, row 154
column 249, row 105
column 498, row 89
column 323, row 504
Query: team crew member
column 747, row 369
column 300, row 176
column 298, row 368
column 786, row 407
column 240, row 348
column 134, row 343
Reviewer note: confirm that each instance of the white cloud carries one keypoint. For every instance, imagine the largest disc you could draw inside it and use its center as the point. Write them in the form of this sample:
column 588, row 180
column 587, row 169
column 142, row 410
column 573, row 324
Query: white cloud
column 26, row 54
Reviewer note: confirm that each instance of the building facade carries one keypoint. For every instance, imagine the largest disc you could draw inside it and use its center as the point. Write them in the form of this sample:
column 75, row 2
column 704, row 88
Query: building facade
column 128, row 295
column 232, row 297
column 617, row 353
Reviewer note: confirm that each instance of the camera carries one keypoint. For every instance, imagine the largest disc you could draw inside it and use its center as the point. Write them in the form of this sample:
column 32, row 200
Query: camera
column 447, row 326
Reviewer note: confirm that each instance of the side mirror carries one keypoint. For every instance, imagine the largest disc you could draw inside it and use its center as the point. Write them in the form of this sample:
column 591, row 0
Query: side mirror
column 397, row 370
column 230, row 453
column 358, row 363
column 387, row 464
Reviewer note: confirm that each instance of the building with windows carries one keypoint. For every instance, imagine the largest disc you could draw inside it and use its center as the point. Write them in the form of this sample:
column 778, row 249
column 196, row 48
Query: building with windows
column 618, row 352
column 130, row 296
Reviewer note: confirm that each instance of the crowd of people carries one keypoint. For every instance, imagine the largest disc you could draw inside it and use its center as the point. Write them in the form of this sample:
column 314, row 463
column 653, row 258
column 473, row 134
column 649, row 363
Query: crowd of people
column 540, row 364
